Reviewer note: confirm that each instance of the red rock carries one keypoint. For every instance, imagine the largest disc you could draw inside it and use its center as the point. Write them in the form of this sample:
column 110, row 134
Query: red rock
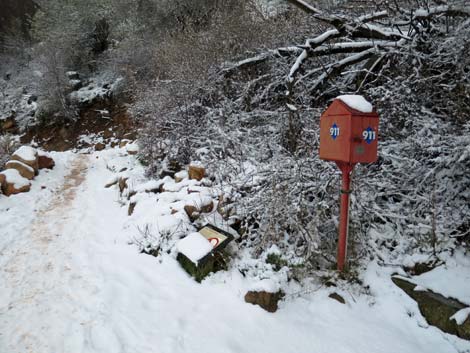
column 196, row 173
column 45, row 162
column 268, row 301
column 25, row 170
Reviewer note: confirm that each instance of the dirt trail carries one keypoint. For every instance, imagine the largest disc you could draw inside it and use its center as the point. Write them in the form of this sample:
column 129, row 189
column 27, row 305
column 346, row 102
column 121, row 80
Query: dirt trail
column 39, row 265
column 65, row 196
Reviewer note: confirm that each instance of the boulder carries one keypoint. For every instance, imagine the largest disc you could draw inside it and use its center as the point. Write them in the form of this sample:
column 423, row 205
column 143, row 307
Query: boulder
column 436, row 309
column 25, row 170
column 45, row 161
column 28, row 156
column 463, row 330
column 267, row 300
column 196, row 172
column 13, row 182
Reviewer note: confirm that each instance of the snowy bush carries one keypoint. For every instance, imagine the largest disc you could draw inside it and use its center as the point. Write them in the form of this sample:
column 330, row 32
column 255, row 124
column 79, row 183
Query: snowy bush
column 7, row 146
column 261, row 143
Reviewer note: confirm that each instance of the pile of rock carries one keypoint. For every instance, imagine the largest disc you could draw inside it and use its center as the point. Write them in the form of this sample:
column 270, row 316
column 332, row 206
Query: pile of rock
column 23, row 166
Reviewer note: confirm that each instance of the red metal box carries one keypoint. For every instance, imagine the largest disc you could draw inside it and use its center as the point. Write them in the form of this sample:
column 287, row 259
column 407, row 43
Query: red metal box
column 348, row 135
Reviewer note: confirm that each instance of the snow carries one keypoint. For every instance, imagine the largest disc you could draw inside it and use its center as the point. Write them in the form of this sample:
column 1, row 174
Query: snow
column 26, row 153
column 150, row 185
column 132, row 147
column 182, row 175
column 291, row 107
column 356, row 102
column 14, row 177
column 71, row 281
column 266, row 285
column 461, row 315
column 194, row 247
column 43, row 153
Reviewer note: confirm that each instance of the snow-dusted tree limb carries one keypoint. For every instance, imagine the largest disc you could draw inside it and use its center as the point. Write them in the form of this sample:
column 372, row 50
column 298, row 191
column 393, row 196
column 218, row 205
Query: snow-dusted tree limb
column 246, row 63
column 372, row 17
column 311, row 44
column 336, row 68
column 303, row 5
column 351, row 47
column 372, row 35
column 448, row 10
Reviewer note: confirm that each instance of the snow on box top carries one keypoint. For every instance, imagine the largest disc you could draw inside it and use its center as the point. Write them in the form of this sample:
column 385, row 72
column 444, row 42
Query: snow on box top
column 14, row 177
column 356, row 102
column 26, row 153
column 194, row 247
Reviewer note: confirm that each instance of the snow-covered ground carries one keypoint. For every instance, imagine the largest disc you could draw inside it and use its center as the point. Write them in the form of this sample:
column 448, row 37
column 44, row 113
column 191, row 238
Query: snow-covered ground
column 70, row 281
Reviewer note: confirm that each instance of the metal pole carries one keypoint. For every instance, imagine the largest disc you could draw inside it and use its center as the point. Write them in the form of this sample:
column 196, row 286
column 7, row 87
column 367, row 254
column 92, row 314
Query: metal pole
column 346, row 170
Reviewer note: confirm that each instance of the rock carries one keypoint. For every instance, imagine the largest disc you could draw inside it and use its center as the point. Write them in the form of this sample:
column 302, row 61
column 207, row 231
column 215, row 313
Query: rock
column 25, row 170
column 268, row 301
column 192, row 212
column 13, row 182
column 108, row 134
column 435, row 308
column 422, row 267
column 166, row 172
column 131, row 208
column 207, row 208
column 196, row 172
column 2, row 180
column 123, row 143
column 132, row 148
column 463, row 331
column 111, row 183
column 76, row 84
column 174, row 165
column 100, row 146
column 337, row 297
column 73, row 75
column 28, row 156
column 180, row 176
column 122, row 183
column 45, row 161
column 8, row 124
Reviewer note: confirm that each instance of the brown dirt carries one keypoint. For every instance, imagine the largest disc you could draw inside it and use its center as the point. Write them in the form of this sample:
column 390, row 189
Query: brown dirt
column 65, row 136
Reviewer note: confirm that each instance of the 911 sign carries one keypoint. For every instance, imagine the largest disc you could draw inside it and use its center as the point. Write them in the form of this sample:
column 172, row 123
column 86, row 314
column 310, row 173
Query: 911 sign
column 369, row 135
column 334, row 131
